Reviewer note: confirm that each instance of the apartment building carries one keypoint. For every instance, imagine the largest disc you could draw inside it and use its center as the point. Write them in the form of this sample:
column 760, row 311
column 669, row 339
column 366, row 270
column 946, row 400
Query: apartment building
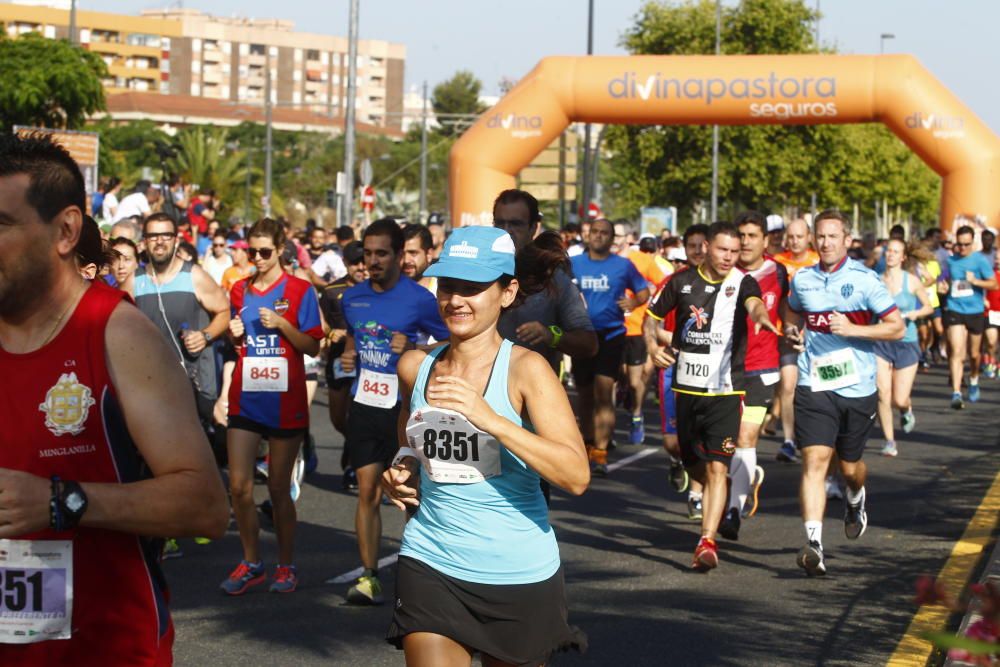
column 186, row 52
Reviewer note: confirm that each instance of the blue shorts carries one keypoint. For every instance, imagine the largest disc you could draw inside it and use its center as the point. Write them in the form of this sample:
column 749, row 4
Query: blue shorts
column 898, row 353
column 668, row 404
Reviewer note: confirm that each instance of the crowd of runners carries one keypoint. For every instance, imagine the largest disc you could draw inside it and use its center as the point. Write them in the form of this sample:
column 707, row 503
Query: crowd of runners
column 468, row 372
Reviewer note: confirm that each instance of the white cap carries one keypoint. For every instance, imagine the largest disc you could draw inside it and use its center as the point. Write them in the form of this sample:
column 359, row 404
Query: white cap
column 775, row 223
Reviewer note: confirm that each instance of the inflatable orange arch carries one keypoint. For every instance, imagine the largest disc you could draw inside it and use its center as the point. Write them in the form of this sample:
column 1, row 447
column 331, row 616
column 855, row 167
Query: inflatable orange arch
column 730, row 90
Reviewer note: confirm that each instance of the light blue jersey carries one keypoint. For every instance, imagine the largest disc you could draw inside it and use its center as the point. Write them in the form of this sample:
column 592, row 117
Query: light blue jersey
column 964, row 297
column 857, row 292
column 494, row 531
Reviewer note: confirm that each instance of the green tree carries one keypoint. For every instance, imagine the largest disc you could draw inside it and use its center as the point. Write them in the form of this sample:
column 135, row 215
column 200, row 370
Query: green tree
column 48, row 83
column 128, row 148
column 769, row 167
column 207, row 157
column 457, row 95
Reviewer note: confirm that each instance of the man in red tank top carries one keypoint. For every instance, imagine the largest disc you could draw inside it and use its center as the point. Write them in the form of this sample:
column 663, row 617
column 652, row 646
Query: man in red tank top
column 101, row 446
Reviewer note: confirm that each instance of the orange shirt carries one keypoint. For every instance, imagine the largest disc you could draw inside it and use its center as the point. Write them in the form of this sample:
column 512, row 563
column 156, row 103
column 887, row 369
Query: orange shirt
column 793, row 265
column 233, row 275
column 646, row 264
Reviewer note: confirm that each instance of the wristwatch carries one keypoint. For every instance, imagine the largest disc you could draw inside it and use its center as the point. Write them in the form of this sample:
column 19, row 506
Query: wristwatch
column 557, row 335
column 67, row 505
column 208, row 337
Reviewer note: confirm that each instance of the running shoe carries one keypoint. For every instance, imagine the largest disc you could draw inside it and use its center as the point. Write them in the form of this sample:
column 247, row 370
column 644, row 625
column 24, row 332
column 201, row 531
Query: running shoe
column 974, row 393
column 729, row 527
column 956, row 401
column 788, row 453
column 285, row 580
column 856, row 518
column 833, row 491
column 298, row 473
column 889, row 448
column 679, row 478
column 203, row 540
column 243, row 577
column 909, row 420
column 349, row 480
column 260, row 470
column 312, row 458
column 598, row 461
column 706, row 555
column 367, row 591
column 810, row 559
column 637, row 432
column 599, row 469
column 752, row 504
column 171, row 549
column 694, row 509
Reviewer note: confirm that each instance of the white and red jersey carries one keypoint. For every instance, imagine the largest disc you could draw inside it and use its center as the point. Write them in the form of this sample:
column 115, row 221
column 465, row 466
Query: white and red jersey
column 762, row 346
column 62, row 416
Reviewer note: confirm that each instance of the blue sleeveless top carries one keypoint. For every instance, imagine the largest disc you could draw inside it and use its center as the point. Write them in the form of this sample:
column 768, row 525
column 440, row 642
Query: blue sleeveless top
column 907, row 301
column 492, row 532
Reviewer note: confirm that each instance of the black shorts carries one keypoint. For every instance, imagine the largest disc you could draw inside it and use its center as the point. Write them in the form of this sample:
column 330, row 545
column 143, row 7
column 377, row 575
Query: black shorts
column 786, row 353
column 372, row 435
column 607, row 362
column 759, row 394
column 707, row 427
column 336, row 383
column 520, row 624
column 635, row 351
column 244, row 424
column 828, row 419
column 974, row 322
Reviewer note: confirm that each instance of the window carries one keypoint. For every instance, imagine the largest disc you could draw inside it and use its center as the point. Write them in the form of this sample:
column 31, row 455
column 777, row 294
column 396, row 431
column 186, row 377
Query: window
column 312, row 54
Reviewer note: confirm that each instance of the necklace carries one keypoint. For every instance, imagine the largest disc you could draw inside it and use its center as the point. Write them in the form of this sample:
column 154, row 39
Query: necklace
column 68, row 308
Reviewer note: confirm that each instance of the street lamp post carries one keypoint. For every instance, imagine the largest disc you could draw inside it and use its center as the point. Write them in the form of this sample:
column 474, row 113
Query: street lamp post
column 267, row 134
column 352, row 89
column 715, row 128
column 423, row 158
column 881, row 42
column 72, row 23
column 586, row 128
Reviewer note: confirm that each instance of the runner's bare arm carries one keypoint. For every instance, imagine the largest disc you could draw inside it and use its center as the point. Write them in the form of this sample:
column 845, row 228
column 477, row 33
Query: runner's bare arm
column 925, row 309
column 213, row 299
column 185, row 497
column 301, row 341
column 401, row 482
column 658, row 341
column 759, row 315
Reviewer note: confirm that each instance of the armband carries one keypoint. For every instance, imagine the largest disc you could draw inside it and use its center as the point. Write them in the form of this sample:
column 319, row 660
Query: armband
column 557, row 335
column 405, row 452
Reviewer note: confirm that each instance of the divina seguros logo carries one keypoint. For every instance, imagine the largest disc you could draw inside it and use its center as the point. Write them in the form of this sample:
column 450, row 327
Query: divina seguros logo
column 942, row 127
column 785, row 95
column 520, row 127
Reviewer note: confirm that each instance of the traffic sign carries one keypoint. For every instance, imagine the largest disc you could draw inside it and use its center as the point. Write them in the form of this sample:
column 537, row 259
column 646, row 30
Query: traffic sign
column 368, row 198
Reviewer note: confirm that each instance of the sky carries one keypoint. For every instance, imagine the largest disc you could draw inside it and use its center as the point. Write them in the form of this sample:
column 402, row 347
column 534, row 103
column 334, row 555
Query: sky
column 494, row 39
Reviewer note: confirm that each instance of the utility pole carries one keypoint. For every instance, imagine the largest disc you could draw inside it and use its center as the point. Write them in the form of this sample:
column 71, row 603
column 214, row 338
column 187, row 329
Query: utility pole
column 267, row 133
column 72, row 23
column 423, row 158
column 586, row 128
column 352, row 91
column 715, row 128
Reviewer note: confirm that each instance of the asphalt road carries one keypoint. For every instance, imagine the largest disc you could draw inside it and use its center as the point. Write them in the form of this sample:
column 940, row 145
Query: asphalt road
column 626, row 546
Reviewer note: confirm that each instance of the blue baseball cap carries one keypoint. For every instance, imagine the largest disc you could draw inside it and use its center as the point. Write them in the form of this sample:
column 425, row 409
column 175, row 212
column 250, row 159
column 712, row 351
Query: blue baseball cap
column 475, row 253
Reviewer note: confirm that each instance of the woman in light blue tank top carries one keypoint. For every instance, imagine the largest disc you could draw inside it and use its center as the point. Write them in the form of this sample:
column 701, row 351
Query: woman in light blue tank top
column 479, row 567
column 898, row 360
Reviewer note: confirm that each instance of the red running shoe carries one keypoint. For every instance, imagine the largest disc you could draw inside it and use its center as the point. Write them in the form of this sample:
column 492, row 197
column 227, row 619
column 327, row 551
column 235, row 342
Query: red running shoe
column 706, row 555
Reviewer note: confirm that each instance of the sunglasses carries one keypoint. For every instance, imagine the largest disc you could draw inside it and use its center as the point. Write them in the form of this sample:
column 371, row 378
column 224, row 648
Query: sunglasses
column 265, row 253
column 163, row 236
column 218, row 245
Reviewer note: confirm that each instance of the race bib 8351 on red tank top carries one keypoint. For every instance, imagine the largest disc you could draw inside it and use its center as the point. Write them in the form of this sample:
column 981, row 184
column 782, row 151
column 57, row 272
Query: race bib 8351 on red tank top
column 61, row 417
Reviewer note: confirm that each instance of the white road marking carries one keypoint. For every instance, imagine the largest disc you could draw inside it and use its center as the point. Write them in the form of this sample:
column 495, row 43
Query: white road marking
column 389, row 560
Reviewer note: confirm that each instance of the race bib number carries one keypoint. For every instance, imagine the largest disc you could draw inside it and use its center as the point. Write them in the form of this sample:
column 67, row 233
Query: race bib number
column 995, row 318
column 834, row 371
column 36, row 590
column 961, row 289
column 699, row 370
column 339, row 372
column 265, row 374
column 453, row 451
column 378, row 390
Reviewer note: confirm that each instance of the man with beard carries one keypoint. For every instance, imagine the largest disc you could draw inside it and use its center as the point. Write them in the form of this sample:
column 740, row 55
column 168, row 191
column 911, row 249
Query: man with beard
column 186, row 305
column 417, row 249
column 384, row 316
column 113, row 457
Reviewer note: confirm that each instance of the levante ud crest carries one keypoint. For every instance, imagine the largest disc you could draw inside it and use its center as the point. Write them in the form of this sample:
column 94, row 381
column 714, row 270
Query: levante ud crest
column 67, row 405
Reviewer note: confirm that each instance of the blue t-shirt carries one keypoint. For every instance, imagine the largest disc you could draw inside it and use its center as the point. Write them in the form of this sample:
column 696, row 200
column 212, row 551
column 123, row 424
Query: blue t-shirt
column 204, row 244
column 964, row 297
column 602, row 283
column 858, row 293
column 373, row 317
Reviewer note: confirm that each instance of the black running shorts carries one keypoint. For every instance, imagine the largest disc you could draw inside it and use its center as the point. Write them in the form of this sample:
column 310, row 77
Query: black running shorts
column 635, row 351
column 519, row 624
column 828, row 419
column 974, row 322
column 372, row 435
column 607, row 362
column 707, row 427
